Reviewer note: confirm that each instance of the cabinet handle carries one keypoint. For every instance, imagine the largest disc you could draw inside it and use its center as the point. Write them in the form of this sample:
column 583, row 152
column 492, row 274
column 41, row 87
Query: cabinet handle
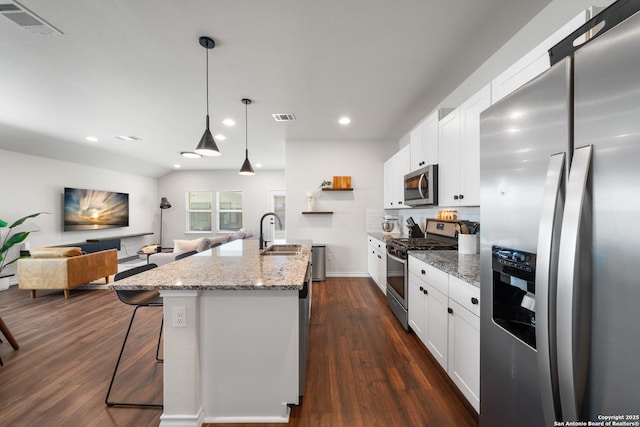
column 379, row 257
column 474, row 300
column 423, row 272
column 399, row 203
column 461, row 196
column 449, row 310
column 426, row 292
column 455, row 197
column 421, row 288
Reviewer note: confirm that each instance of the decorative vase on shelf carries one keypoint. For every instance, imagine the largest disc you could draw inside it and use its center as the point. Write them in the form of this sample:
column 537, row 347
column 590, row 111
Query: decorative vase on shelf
column 310, row 201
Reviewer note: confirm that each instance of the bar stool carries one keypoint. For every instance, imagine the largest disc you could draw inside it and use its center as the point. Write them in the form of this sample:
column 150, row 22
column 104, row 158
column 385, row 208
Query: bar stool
column 141, row 298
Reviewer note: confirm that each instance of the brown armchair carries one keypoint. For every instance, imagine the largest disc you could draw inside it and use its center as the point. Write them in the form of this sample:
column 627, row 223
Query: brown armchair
column 64, row 268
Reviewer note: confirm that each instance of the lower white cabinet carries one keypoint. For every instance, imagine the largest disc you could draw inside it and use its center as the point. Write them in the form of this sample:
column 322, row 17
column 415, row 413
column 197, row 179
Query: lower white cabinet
column 377, row 262
column 444, row 312
column 464, row 352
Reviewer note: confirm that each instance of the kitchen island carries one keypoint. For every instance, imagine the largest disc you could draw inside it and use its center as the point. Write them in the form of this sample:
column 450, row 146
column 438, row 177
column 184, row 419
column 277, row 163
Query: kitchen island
column 232, row 335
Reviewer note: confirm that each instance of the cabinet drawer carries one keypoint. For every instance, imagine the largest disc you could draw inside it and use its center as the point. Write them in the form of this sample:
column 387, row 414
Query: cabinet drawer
column 378, row 244
column 465, row 294
column 436, row 278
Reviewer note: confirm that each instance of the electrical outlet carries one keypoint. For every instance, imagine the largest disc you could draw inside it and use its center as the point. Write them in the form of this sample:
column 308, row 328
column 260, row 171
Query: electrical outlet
column 179, row 317
column 329, row 256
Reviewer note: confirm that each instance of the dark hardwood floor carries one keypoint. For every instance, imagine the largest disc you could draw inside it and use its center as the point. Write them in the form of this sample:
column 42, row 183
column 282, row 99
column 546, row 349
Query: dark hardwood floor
column 364, row 369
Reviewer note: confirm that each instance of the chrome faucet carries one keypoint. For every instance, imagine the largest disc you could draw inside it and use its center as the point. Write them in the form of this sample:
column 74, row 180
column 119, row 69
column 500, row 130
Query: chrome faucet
column 261, row 221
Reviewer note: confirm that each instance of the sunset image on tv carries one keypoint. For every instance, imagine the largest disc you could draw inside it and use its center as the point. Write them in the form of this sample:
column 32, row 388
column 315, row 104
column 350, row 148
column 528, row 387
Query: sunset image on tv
column 93, row 209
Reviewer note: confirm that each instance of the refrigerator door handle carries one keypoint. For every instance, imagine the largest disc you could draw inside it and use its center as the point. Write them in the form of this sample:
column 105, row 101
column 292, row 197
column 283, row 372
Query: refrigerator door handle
column 573, row 295
column 546, row 273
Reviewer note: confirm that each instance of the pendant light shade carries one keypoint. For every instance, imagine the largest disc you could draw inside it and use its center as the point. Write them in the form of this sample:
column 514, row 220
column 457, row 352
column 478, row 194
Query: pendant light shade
column 207, row 145
column 246, row 168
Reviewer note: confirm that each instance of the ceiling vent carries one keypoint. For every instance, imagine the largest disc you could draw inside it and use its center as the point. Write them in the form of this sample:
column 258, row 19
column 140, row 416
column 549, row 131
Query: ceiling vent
column 26, row 19
column 284, row 117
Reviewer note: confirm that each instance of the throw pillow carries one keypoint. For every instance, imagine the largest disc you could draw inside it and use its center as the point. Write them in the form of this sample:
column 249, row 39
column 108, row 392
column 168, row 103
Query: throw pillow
column 54, row 252
column 216, row 241
column 186, row 245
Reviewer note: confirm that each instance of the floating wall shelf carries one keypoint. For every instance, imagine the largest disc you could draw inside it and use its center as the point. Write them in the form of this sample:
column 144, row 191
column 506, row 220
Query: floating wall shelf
column 337, row 189
column 317, row 213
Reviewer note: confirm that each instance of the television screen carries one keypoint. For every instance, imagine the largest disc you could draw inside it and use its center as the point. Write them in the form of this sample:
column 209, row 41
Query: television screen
column 94, row 209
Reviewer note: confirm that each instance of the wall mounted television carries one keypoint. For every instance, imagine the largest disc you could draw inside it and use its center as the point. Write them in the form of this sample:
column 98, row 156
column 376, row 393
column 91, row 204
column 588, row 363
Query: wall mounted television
column 94, row 209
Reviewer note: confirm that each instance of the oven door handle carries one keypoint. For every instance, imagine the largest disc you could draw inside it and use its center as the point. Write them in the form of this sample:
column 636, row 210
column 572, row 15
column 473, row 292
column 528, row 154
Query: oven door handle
column 395, row 258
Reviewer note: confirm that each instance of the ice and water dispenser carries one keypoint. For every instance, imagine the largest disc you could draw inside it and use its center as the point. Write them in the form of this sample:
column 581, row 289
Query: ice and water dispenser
column 514, row 303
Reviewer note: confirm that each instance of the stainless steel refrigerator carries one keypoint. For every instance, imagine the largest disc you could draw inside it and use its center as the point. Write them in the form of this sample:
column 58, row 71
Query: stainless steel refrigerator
column 560, row 246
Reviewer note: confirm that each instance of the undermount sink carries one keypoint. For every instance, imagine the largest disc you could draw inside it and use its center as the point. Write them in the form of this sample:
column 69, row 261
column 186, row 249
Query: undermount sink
column 283, row 249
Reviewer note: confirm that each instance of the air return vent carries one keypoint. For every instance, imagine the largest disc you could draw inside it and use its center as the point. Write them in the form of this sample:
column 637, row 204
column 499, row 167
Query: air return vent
column 26, row 19
column 284, row 117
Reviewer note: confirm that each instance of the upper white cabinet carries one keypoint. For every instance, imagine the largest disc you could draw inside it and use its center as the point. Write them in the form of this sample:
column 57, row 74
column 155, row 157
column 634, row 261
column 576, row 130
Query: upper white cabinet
column 536, row 61
column 459, row 152
column 394, row 171
column 424, row 140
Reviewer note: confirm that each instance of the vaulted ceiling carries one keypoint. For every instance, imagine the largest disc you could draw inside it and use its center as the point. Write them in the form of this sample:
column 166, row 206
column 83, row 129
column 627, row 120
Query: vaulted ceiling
column 135, row 68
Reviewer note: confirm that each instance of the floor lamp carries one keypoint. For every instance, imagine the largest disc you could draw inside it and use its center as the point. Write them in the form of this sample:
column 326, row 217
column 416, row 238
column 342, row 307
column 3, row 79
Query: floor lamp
column 164, row 204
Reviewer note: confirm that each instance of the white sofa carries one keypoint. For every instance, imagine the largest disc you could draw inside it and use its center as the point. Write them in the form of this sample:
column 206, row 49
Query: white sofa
column 198, row 245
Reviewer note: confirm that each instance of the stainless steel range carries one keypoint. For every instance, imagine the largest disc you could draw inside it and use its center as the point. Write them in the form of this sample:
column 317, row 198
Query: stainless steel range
column 440, row 235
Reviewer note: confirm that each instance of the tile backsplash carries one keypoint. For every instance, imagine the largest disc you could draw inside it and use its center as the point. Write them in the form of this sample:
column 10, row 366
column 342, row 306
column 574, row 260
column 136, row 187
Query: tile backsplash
column 419, row 215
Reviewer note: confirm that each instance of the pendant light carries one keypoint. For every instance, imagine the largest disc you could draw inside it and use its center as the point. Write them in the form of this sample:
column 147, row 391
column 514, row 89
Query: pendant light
column 207, row 145
column 246, row 169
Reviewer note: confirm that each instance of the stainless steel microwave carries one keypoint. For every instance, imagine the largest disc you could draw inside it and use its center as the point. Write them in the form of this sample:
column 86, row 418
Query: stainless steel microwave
column 421, row 187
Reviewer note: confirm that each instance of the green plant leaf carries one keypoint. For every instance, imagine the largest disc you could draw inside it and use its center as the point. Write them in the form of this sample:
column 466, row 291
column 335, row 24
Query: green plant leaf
column 3, row 223
column 15, row 239
column 23, row 219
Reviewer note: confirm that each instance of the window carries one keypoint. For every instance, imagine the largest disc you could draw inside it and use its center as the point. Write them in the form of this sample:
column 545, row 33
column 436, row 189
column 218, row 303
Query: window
column 278, row 205
column 199, row 211
column 229, row 210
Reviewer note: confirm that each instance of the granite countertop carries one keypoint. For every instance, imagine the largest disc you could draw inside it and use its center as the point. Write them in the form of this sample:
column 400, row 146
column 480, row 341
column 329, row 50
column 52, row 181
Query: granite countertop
column 465, row 267
column 236, row 265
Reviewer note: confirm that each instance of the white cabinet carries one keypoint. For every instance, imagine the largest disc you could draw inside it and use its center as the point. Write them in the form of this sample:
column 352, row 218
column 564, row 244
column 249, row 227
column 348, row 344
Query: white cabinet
column 394, row 171
column 444, row 312
column 464, row 352
column 424, row 140
column 459, row 152
column 428, row 301
column 437, row 325
column 377, row 262
column 464, row 339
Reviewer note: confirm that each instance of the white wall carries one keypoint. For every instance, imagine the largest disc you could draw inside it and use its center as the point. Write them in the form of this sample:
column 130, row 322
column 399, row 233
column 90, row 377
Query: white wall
column 308, row 163
column 32, row 184
column 255, row 192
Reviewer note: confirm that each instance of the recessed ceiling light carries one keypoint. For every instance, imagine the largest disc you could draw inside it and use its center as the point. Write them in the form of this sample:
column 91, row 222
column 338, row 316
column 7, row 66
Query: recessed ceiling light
column 177, row 166
column 228, row 122
column 344, row 120
column 128, row 138
column 190, row 155
column 91, row 139
column 220, row 137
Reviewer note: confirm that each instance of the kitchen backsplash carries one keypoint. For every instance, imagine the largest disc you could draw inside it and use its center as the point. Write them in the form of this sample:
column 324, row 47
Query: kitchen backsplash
column 419, row 215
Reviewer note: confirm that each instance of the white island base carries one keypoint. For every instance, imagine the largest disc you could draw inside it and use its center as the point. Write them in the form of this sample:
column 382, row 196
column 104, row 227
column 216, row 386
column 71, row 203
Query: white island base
column 236, row 361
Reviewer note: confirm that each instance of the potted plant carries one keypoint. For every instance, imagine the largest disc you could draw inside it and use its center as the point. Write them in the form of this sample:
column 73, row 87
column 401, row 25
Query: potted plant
column 325, row 183
column 7, row 241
